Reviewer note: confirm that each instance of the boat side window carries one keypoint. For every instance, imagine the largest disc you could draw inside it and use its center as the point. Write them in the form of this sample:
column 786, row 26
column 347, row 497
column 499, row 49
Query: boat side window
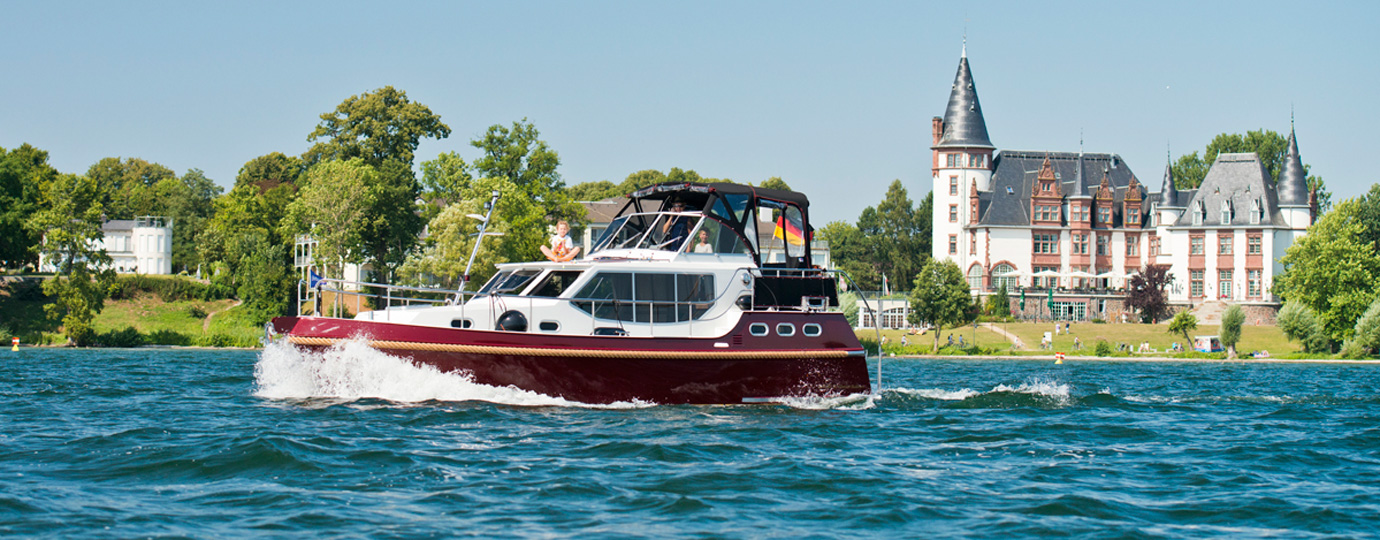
column 555, row 283
column 715, row 237
column 608, row 295
column 514, row 282
column 785, row 329
column 493, row 282
column 647, row 296
column 624, row 232
column 811, row 329
column 757, row 329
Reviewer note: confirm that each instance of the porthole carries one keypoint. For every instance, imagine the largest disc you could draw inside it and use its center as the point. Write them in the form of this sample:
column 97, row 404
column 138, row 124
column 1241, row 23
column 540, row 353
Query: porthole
column 461, row 323
column 811, row 329
column 757, row 329
column 785, row 329
column 549, row 326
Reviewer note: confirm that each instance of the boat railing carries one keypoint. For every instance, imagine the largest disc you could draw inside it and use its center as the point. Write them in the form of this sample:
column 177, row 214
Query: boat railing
column 338, row 297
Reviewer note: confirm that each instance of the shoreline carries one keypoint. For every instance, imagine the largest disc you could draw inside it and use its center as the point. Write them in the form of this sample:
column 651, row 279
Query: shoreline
column 1147, row 359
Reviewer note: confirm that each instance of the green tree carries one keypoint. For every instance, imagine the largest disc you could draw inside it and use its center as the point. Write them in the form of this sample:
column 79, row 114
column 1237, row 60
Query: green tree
column 336, row 221
column 776, row 182
column 23, row 173
column 127, row 186
column 851, row 252
column 1332, row 270
column 1299, row 323
column 445, row 178
column 518, row 155
column 1183, row 323
column 999, row 304
column 189, row 203
column 381, row 128
column 378, row 126
column 264, row 280
column 258, row 203
column 939, row 297
column 1189, row 170
column 1230, row 333
column 70, row 224
column 896, row 235
column 593, row 191
column 1365, row 340
column 442, row 258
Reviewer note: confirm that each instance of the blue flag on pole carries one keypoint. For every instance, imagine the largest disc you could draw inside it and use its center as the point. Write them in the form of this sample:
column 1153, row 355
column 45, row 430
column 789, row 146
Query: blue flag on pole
column 315, row 279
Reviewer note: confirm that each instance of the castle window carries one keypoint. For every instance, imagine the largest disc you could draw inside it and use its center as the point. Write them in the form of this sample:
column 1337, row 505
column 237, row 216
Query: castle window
column 972, row 242
column 1104, row 216
column 1046, row 243
column 953, row 213
column 1080, row 213
column 953, row 185
column 1132, row 246
column 975, row 277
column 1154, row 246
column 1224, row 245
column 1226, row 212
column 1104, row 245
column 1132, row 216
column 1253, row 244
column 975, row 160
column 953, row 244
column 1080, row 243
column 1224, row 283
column 1199, row 214
column 1256, row 214
column 1253, row 283
column 1000, row 279
column 952, row 160
column 1195, row 245
column 1195, row 283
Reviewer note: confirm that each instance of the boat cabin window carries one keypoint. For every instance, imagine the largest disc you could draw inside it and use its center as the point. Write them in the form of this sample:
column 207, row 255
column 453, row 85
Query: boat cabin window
column 647, row 296
column 555, row 283
column 624, row 232
column 508, row 282
column 788, row 240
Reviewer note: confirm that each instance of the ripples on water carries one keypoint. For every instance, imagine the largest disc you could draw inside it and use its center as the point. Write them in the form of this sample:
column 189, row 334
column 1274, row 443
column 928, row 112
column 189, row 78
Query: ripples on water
column 134, row 443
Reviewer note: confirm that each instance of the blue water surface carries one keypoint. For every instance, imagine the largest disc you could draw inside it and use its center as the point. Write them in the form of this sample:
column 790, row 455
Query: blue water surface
column 213, row 444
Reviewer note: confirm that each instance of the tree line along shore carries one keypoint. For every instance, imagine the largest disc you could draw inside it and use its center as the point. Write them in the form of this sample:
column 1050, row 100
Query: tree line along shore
column 362, row 196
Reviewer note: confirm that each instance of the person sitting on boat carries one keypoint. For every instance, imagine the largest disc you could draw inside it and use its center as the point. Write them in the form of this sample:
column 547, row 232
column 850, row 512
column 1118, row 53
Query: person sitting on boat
column 562, row 248
column 675, row 228
column 702, row 244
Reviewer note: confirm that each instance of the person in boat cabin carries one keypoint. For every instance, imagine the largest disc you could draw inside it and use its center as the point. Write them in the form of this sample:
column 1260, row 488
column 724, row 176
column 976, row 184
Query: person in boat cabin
column 562, row 248
column 703, row 245
column 675, row 228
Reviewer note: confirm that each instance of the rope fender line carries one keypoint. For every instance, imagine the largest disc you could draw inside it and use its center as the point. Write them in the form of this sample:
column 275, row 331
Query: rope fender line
column 577, row 353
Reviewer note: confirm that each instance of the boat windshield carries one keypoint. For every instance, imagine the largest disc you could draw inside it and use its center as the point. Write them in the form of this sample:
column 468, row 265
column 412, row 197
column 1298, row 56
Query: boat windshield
column 661, row 231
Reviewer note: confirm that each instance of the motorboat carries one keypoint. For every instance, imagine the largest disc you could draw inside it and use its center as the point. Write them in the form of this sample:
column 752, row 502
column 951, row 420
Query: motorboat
column 695, row 293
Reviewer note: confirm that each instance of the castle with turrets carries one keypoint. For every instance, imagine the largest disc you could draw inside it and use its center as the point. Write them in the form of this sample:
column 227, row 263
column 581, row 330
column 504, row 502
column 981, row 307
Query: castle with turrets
column 1072, row 227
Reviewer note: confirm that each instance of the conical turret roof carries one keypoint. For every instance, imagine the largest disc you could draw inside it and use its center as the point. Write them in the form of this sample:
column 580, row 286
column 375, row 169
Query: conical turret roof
column 1169, row 196
column 963, row 123
column 1293, row 181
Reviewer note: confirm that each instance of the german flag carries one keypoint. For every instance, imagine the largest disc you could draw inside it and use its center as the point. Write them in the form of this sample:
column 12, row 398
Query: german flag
column 790, row 230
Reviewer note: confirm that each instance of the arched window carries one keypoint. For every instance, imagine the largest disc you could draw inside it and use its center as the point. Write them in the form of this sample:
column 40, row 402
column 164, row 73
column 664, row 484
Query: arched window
column 975, row 277
column 998, row 279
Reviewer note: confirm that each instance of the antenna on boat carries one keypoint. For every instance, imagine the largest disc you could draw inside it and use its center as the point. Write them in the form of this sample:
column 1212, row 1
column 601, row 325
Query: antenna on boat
column 483, row 226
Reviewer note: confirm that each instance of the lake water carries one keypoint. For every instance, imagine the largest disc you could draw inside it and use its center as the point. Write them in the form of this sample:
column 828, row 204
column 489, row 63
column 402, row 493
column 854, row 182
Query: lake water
column 209, row 444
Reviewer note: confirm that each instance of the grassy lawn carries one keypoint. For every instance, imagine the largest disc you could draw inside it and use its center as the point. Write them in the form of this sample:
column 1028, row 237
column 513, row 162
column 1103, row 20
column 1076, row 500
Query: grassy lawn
column 149, row 315
column 1268, row 338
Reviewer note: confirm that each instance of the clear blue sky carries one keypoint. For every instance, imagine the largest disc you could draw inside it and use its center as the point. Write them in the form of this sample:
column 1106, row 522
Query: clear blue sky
column 835, row 98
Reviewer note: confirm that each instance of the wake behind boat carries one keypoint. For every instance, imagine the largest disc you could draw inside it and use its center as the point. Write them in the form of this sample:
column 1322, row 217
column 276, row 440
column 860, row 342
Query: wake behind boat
column 675, row 303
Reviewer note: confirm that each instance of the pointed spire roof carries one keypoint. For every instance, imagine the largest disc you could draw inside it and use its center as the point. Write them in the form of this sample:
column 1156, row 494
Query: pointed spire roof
column 1293, row 181
column 1169, row 196
column 1078, row 190
column 963, row 123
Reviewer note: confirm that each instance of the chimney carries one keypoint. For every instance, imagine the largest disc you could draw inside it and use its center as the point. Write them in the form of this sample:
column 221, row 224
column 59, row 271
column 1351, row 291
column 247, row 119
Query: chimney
column 937, row 130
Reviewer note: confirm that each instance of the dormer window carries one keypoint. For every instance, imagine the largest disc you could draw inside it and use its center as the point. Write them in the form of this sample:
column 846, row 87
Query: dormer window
column 1257, row 213
column 1226, row 212
column 1199, row 213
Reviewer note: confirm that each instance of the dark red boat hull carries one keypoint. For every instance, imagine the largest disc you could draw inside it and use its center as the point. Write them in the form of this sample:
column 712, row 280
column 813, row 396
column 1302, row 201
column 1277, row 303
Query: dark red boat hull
column 734, row 368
